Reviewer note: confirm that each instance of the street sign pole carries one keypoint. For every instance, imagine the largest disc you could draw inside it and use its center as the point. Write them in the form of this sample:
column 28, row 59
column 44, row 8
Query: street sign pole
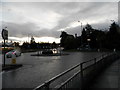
column 4, row 54
column 5, row 37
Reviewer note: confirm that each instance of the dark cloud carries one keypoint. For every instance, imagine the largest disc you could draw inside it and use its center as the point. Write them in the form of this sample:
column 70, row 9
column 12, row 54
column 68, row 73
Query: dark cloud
column 25, row 29
column 88, row 12
column 98, row 14
column 19, row 30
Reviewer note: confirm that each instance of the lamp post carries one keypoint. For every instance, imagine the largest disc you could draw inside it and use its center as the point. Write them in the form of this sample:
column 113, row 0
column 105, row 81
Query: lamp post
column 60, row 49
column 81, row 25
column 114, row 50
column 81, row 33
column 88, row 42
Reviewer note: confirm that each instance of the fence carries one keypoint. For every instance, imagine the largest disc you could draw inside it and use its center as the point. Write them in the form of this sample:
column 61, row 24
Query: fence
column 81, row 78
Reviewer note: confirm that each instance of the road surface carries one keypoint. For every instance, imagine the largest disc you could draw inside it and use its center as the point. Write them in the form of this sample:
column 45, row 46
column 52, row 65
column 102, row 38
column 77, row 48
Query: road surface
column 37, row 69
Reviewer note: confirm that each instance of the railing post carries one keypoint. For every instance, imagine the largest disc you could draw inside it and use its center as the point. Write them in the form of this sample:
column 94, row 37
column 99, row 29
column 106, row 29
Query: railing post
column 82, row 79
column 95, row 61
column 95, row 65
column 102, row 56
column 47, row 84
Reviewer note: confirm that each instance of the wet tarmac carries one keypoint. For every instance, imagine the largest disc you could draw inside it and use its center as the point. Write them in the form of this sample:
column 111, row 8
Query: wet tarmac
column 37, row 69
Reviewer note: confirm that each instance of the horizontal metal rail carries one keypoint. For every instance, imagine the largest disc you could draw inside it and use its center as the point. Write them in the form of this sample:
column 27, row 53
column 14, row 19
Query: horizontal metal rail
column 47, row 83
column 56, row 77
column 68, row 80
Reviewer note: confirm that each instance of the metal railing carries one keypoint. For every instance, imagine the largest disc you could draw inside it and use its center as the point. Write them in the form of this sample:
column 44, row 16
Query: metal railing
column 87, row 71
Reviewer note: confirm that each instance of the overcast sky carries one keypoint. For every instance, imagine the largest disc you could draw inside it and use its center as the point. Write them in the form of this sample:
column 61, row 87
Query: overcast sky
column 46, row 20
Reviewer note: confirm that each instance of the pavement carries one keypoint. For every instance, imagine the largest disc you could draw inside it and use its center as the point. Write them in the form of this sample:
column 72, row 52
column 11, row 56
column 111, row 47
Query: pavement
column 109, row 79
column 11, row 66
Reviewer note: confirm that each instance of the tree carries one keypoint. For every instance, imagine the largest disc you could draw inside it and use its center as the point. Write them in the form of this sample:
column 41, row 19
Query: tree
column 114, row 28
column 63, row 37
column 88, row 29
column 32, row 40
column 54, row 45
column 113, row 37
column 84, row 37
column 25, row 45
column 67, row 41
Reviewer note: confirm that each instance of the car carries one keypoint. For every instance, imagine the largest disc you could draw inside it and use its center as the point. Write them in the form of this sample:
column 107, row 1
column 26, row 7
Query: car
column 47, row 51
column 13, row 53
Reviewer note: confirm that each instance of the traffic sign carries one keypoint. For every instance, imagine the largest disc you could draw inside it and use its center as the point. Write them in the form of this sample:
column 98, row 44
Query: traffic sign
column 5, row 34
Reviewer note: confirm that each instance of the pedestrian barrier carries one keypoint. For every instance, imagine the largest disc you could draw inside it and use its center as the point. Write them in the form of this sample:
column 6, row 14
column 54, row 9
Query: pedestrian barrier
column 85, row 72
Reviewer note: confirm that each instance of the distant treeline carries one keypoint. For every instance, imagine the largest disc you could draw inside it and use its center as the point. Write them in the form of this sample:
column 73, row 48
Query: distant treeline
column 34, row 45
column 90, row 39
column 93, row 38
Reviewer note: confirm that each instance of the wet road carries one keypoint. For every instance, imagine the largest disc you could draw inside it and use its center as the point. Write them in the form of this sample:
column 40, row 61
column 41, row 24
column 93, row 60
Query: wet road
column 37, row 69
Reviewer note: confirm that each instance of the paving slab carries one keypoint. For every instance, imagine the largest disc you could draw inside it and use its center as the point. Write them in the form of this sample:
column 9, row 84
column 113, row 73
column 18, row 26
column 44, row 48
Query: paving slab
column 109, row 78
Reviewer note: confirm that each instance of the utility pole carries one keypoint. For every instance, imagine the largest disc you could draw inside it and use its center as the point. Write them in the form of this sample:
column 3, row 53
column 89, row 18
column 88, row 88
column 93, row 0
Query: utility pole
column 4, row 54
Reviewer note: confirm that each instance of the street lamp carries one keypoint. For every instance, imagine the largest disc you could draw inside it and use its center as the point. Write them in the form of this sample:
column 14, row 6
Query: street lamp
column 88, row 42
column 60, row 51
column 81, row 25
column 81, row 33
